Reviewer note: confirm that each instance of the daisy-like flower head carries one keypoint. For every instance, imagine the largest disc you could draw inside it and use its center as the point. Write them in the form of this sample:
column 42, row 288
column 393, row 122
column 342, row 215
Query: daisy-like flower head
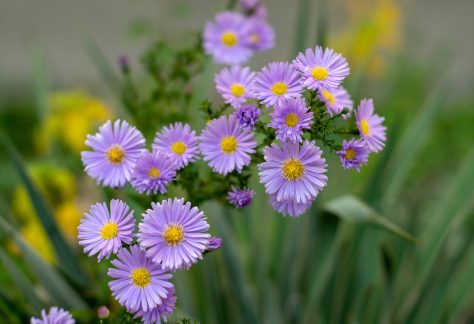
column 235, row 84
column 247, row 115
column 161, row 311
column 354, row 154
column 336, row 100
column 240, row 198
column 55, row 316
column 226, row 146
column 291, row 171
column 289, row 207
column 103, row 232
column 138, row 283
column 259, row 35
column 179, row 142
column 370, row 126
column 290, row 119
column 224, row 39
column 153, row 172
column 116, row 147
column 174, row 234
column 276, row 82
column 321, row 68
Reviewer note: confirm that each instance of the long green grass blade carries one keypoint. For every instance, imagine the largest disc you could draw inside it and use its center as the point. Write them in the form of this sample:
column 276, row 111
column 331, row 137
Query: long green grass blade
column 411, row 141
column 63, row 251
column 21, row 281
column 455, row 205
column 61, row 293
column 354, row 210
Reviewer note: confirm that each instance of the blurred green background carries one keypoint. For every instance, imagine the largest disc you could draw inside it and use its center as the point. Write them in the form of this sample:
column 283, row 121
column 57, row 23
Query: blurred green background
column 392, row 244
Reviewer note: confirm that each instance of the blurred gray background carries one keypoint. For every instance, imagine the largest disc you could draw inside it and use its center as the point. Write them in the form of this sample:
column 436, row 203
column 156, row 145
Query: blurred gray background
column 56, row 31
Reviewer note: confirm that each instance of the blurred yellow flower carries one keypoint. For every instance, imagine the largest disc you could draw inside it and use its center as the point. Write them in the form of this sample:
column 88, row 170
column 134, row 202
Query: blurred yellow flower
column 58, row 186
column 373, row 31
column 71, row 116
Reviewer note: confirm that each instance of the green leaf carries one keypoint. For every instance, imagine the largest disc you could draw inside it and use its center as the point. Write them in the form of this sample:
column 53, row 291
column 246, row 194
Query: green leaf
column 61, row 293
column 64, row 253
column 21, row 281
column 354, row 210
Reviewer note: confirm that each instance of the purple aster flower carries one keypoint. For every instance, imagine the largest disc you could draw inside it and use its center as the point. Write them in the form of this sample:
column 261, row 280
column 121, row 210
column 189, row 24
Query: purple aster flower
column 247, row 116
column 174, row 234
column 215, row 243
column 289, row 207
column 179, row 141
column 354, row 154
column 116, row 147
column 290, row 119
column 224, row 39
column 259, row 35
column 103, row 232
column 55, row 316
column 139, row 283
column 240, row 198
column 276, row 82
column 153, row 172
column 226, row 146
column 293, row 171
column 336, row 100
column 321, row 68
column 235, row 84
column 161, row 311
column 370, row 126
column 254, row 9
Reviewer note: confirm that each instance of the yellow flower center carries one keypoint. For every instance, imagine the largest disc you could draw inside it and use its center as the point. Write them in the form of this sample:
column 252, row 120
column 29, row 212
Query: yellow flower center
column 109, row 231
column 229, row 39
column 141, row 277
column 350, row 154
column 291, row 120
column 364, row 127
column 279, row 89
column 178, row 148
column 115, row 154
column 254, row 39
column 229, row 144
column 237, row 89
column 154, row 173
column 319, row 73
column 292, row 169
column 173, row 235
column 329, row 97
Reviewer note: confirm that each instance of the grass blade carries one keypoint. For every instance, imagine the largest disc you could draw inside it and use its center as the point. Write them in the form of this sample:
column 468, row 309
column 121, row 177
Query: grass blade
column 21, row 281
column 61, row 293
column 63, row 252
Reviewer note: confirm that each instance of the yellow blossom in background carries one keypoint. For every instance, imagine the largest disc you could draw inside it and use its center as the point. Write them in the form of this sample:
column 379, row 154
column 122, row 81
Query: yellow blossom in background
column 70, row 117
column 372, row 31
column 58, row 186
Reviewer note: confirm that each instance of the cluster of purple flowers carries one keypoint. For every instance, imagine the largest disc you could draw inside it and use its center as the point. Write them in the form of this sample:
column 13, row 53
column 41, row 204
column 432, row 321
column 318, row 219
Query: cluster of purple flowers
column 172, row 235
column 232, row 38
column 293, row 172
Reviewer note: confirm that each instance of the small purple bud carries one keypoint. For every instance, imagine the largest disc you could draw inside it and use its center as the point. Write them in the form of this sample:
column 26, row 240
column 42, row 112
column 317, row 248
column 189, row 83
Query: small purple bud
column 124, row 63
column 103, row 312
column 215, row 243
column 247, row 115
column 240, row 198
